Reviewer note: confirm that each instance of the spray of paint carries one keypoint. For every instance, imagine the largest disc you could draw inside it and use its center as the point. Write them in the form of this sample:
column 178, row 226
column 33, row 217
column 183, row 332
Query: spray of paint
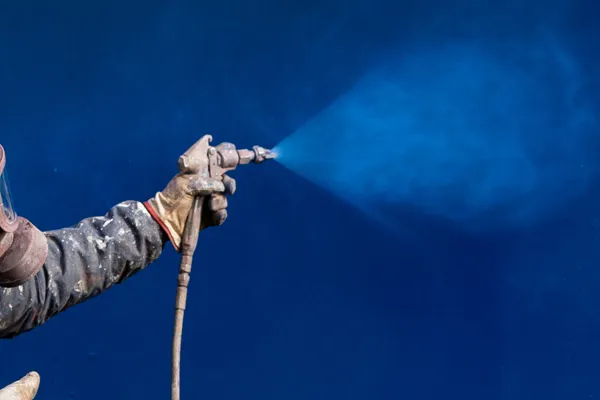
column 471, row 133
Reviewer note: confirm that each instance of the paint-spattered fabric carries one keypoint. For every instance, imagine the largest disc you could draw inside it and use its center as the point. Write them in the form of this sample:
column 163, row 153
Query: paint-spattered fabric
column 83, row 261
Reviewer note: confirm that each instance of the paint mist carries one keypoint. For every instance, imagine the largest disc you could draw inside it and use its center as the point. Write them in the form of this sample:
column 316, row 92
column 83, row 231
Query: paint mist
column 485, row 136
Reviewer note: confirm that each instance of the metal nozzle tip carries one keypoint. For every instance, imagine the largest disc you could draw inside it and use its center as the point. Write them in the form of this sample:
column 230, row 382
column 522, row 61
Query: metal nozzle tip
column 262, row 154
column 270, row 154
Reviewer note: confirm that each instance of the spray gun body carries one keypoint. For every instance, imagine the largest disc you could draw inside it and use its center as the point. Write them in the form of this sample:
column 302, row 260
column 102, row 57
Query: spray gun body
column 216, row 161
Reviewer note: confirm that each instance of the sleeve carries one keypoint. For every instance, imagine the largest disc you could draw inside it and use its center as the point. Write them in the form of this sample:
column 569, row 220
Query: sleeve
column 83, row 261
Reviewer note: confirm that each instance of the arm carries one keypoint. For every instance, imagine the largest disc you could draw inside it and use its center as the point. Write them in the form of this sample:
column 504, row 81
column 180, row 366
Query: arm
column 83, row 261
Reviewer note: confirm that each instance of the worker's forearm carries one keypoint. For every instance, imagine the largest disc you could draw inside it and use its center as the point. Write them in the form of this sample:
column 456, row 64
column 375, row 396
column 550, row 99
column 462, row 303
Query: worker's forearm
column 83, row 261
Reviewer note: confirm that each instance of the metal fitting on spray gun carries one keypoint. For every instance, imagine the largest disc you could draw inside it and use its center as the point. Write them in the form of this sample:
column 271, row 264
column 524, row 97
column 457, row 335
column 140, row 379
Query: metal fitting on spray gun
column 257, row 155
column 211, row 162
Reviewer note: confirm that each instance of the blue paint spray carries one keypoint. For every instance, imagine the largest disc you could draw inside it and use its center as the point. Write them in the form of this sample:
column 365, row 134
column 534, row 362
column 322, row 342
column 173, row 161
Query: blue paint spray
column 485, row 136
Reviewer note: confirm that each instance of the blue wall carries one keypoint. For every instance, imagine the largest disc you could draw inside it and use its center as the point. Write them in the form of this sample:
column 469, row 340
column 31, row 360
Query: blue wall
column 299, row 295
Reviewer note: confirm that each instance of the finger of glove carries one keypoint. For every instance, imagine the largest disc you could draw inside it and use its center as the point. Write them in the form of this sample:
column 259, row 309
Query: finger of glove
column 217, row 202
column 25, row 388
column 200, row 186
column 230, row 184
column 219, row 217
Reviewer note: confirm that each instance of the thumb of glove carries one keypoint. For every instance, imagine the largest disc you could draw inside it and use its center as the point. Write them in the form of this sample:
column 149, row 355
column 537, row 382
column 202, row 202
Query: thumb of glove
column 24, row 389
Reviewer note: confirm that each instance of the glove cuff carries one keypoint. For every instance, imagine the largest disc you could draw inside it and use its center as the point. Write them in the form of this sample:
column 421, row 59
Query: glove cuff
column 154, row 208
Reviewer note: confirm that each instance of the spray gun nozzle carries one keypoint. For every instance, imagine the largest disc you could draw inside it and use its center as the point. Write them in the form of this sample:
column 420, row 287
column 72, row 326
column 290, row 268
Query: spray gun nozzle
column 261, row 154
column 270, row 154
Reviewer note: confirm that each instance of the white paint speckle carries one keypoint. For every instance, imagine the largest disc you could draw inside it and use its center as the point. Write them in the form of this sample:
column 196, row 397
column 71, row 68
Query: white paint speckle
column 53, row 287
column 74, row 242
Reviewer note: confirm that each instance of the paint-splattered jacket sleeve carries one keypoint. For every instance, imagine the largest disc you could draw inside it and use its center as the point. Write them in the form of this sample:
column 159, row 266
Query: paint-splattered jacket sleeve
column 83, row 261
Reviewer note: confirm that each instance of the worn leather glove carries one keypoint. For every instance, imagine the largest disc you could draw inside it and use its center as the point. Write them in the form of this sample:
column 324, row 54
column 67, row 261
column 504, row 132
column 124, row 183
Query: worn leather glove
column 24, row 389
column 171, row 207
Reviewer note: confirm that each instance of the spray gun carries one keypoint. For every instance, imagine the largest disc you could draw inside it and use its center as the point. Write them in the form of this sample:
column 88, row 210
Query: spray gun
column 210, row 162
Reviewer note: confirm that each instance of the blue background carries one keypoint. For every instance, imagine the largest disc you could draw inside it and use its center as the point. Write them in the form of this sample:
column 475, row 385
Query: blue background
column 299, row 295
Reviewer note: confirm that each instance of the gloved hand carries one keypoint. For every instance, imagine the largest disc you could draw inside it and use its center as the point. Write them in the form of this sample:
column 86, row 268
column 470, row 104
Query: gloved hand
column 171, row 207
column 24, row 389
